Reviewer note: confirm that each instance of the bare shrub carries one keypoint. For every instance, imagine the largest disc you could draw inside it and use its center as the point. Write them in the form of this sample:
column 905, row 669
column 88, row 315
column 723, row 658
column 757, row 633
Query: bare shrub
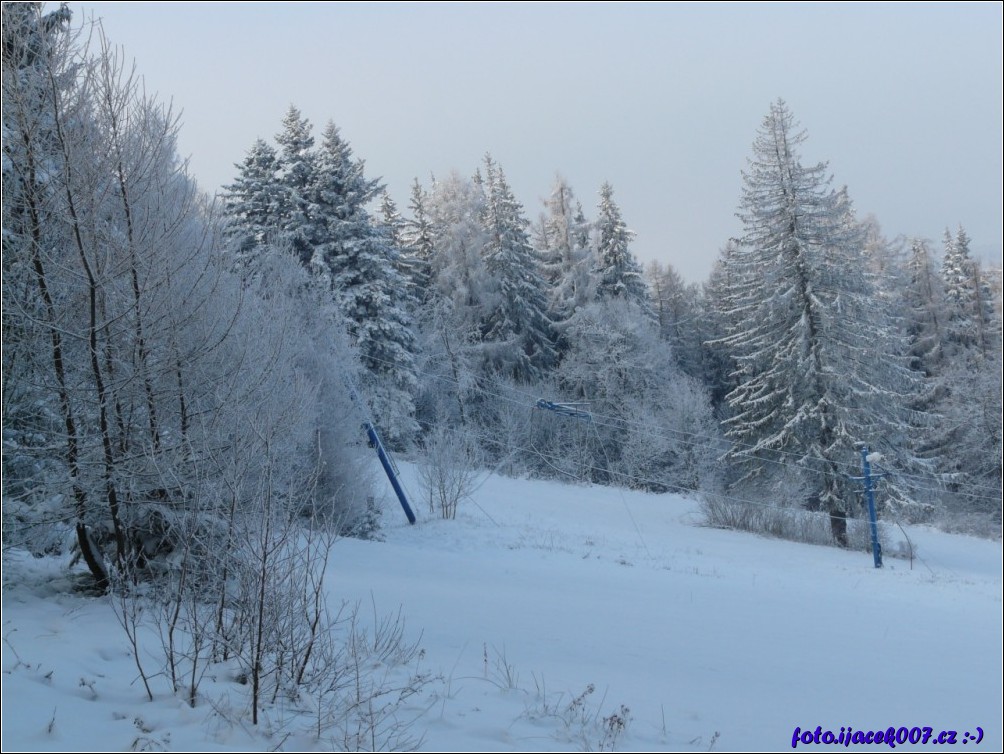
column 581, row 721
column 448, row 469
column 787, row 522
column 503, row 673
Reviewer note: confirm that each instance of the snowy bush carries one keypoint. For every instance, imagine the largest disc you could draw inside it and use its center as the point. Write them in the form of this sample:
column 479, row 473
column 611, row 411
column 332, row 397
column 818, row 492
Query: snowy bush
column 448, row 468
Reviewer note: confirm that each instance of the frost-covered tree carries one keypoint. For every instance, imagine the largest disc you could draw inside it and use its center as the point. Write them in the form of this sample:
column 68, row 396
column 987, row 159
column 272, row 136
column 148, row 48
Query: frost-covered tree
column 960, row 367
column 923, row 302
column 39, row 353
column 255, row 203
column 394, row 228
column 885, row 260
column 417, row 246
column 392, row 225
column 677, row 310
column 359, row 261
column 563, row 242
column 965, row 381
column 617, row 271
column 817, row 362
column 653, row 426
column 313, row 200
column 515, row 332
column 268, row 204
column 182, row 420
column 970, row 318
column 390, row 219
column 454, row 304
column 297, row 168
column 968, row 449
column 150, row 371
column 721, row 315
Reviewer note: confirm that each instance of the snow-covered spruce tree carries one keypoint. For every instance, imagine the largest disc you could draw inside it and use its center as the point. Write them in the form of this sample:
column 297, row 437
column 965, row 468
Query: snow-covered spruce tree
column 297, row 175
column 267, row 205
column 312, row 200
column 390, row 221
column 970, row 317
column 967, row 382
column 923, row 303
column 920, row 306
column 358, row 259
column 417, row 246
column 817, row 362
column 516, row 334
column 617, row 271
column 969, row 444
column 392, row 225
column 720, row 315
column 255, row 203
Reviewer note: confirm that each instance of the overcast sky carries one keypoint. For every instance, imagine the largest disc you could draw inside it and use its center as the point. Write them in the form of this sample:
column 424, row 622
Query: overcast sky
column 663, row 101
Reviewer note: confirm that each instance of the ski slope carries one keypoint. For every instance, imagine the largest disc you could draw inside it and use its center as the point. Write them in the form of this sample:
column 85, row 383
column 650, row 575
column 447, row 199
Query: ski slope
column 690, row 638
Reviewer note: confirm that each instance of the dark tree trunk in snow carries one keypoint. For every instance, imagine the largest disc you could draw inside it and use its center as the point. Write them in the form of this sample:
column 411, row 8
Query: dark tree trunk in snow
column 838, row 527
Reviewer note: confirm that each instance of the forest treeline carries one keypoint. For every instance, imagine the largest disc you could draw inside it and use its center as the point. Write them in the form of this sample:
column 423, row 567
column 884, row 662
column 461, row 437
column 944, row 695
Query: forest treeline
column 175, row 368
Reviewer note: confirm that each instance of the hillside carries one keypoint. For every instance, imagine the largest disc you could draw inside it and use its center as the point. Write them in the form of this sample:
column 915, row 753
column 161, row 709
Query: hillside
column 691, row 638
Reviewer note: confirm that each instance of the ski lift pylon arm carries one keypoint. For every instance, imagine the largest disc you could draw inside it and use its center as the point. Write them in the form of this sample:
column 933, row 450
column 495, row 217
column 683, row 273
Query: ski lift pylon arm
column 575, row 410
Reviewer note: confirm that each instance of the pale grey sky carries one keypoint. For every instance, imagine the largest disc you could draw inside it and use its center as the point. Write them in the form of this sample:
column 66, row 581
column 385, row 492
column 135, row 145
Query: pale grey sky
column 663, row 100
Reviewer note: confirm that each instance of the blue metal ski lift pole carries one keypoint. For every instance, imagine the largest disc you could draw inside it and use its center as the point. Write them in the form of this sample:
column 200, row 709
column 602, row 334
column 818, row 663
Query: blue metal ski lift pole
column 385, row 461
column 866, row 469
column 389, row 469
column 575, row 410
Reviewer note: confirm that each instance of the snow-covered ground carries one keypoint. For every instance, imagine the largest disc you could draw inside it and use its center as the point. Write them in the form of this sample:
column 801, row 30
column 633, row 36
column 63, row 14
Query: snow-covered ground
column 539, row 592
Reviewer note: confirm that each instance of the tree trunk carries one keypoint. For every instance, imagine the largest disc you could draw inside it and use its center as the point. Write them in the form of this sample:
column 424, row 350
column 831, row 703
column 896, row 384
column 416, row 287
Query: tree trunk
column 92, row 557
column 838, row 527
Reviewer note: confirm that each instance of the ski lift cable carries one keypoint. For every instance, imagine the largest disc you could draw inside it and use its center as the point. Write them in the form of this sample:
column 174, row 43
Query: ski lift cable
column 647, row 430
column 612, row 421
column 540, row 455
column 620, row 492
column 650, row 431
column 512, row 448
